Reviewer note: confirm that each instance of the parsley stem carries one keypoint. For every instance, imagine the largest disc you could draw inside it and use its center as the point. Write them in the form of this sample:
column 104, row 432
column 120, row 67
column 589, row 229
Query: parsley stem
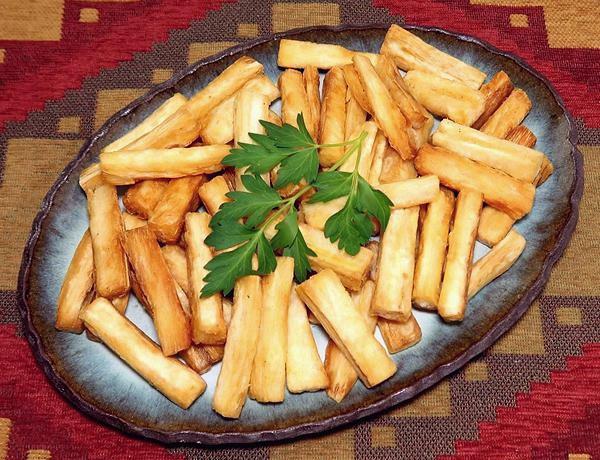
column 357, row 144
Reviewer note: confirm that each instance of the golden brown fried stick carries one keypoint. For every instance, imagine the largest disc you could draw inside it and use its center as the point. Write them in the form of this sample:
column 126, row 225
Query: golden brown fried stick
column 327, row 298
column 433, row 241
column 106, row 230
column 461, row 242
column 446, row 98
column 179, row 198
column 208, row 324
column 510, row 195
column 304, row 369
column 333, row 117
column 393, row 291
column 158, row 290
column 385, row 111
column 77, row 286
column 410, row 52
column 267, row 383
column 168, row 375
column 127, row 166
column 242, row 338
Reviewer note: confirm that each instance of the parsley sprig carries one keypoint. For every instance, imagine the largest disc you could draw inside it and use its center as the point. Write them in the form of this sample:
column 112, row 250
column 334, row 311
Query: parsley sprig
column 239, row 227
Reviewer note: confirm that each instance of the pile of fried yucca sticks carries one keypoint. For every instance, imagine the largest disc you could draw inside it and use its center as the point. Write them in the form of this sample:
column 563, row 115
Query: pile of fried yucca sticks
column 481, row 154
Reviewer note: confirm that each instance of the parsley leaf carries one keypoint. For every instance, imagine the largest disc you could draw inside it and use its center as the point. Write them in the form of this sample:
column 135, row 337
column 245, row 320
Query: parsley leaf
column 255, row 204
column 373, row 202
column 300, row 251
column 292, row 148
column 228, row 266
column 286, row 230
column 331, row 185
column 349, row 227
column 259, row 158
column 228, row 233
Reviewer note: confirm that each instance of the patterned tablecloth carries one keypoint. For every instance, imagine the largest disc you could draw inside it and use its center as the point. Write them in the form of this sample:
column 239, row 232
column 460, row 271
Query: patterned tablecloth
column 67, row 65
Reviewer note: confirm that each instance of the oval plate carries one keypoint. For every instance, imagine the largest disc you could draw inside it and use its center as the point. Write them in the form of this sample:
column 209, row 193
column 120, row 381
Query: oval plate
column 100, row 385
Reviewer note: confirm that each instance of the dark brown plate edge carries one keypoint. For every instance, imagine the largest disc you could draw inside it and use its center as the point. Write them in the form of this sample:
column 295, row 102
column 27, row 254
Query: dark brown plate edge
column 404, row 394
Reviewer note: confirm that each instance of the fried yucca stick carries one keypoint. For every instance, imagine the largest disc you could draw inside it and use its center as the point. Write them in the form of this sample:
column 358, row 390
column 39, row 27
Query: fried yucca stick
column 373, row 246
column 414, row 112
column 141, row 198
column 158, row 289
column 412, row 192
column 208, row 324
column 294, row 100
column 327, row 298
column 509, row 115
column 77, row 286
column 379, row 152
column 169, row 376
column 495, row 92
column 201, row 358
column 446, row 98
column 410, row 52
column 399, row 336
column 163, row 163
column 395, row 169
column 500, row 258
column 355, row 116
column 393, row 292
column 417, row 137
column 212, row 194
column 92, row 176
column 366, row 151
column 431, row 255
column 299, row 54
column 340, row 371
column 240, row 348
column 352, row 270
column 106, row 230
column 317, row 214
column 251, row 106
column 178, row 267
column 217, row 126
column 120, row 303
column 495, row 224
column 333, row 117
column 453, row 294
column 385, row 111
column 522, row 135
column 180, row 197
column 166, row 109
column 304, row 369
column 183, row 127
column 267, row 383
column 130, row 221
column 499, row 190
column 355, row 88
column 310, row 75
column 516, row 160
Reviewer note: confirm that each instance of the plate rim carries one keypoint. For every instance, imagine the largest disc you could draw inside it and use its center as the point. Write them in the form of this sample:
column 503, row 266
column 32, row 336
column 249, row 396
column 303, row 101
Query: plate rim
column 393, row 399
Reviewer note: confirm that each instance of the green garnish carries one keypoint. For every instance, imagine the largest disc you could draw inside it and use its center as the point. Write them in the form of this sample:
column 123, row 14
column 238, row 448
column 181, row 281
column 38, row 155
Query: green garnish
column 241, row 223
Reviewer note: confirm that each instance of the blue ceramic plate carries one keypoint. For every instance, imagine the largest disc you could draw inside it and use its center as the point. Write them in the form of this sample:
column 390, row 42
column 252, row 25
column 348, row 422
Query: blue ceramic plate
column 99, row 384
